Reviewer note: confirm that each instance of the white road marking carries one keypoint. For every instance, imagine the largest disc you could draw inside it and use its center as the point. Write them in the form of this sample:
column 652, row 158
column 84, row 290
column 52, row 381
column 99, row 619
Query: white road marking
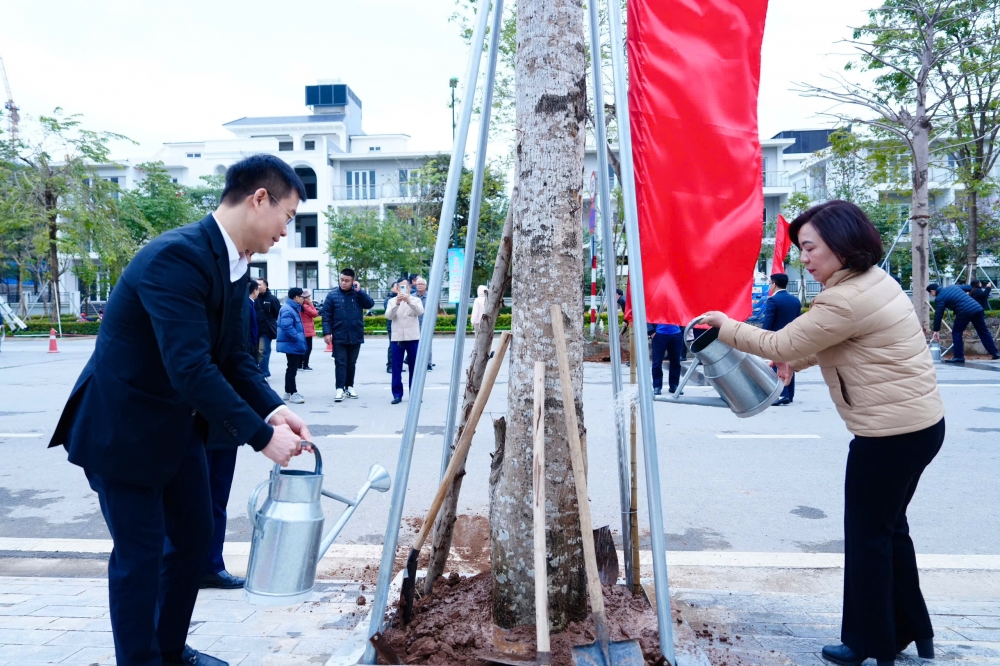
column 972, row 385
column 768, row 436
column 20, row 434
column 426, row 388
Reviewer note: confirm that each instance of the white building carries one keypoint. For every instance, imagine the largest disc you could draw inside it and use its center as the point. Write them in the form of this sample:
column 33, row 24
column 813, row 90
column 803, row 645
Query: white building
column 340, row 165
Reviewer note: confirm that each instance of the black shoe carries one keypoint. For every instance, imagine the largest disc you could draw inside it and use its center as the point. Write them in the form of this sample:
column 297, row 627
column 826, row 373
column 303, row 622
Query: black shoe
column 995, row 357
column 222, row 580
column 191, row 657
column 841, row 654
column 429, row 368
column 956, row 361
column 396, row 401
column 781, row 402
column 388, row 369
column 306, row 368
column 925, row 648
column 657, row 391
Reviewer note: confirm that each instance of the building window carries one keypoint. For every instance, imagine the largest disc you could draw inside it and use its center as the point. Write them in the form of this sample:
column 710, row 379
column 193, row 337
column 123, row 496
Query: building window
column 258, row 269
column 174, row 180
column 412, row 183
column 361, row 185
column 307, row 274
column 310, row 145
column 284, row 145
column 308, row 177
column 307, row 228
column 374, row 148
column 194, row 155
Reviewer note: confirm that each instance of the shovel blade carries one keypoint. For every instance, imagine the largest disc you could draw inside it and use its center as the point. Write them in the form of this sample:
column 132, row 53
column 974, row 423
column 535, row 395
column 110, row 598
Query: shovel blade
column 623, row 653
column 407, row 589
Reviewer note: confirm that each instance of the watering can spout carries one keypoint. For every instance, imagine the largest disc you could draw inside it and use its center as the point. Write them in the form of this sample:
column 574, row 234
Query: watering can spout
column 744, row 382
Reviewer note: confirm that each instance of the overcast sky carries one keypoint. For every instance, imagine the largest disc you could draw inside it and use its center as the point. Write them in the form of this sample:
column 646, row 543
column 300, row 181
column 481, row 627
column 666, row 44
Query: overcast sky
column 177, row 71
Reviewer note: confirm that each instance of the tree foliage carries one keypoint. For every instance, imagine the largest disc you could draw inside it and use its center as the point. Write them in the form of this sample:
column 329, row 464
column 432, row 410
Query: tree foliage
column 379, row 249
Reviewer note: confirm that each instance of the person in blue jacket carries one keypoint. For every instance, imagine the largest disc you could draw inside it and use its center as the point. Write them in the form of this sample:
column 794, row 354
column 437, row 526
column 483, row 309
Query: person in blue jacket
column 780, row 309
column 292, row 342
column 966, row 311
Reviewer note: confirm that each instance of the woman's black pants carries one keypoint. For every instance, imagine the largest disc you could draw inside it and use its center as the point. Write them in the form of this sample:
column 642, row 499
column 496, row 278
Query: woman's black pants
column 883, row 607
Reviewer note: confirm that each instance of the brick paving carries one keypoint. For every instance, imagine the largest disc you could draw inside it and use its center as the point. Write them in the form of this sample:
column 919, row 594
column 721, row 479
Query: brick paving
column 65, row 621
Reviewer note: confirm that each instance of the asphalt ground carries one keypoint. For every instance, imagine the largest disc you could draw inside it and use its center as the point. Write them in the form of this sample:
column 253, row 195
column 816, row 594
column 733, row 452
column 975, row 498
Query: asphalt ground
column 773, row 482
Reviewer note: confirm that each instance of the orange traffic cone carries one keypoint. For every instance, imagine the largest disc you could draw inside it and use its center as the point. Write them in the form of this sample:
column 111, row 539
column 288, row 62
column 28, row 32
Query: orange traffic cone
column 53, row 347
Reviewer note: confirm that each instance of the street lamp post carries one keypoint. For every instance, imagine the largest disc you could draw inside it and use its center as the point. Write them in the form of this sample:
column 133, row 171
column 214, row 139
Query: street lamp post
column 454, row 84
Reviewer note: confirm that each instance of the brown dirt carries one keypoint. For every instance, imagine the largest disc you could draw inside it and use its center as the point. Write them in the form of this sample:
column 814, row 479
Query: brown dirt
column 454, row 625
column 605, row 357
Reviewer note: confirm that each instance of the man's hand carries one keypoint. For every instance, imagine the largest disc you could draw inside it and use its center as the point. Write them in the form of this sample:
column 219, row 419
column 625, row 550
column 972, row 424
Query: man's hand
column 328, row 339
column 357, row 286
column 294, row 421
column 283, row 445
column 785, row 373
column 936, row 337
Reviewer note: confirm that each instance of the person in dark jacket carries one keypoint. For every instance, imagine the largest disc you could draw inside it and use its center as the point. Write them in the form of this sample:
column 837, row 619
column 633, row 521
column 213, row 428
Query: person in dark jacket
column 393, row 291
column 966, row 311
column 170, row 372
column 268, row 307
column 621, row 299
column 980, row 292
column 343, row 315
column 668, row 340
column 780, row 310
column 292, row 342
column 250, row 319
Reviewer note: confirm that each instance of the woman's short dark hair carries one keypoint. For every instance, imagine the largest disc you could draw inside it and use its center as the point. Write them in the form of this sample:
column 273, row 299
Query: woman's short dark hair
column 846, row 230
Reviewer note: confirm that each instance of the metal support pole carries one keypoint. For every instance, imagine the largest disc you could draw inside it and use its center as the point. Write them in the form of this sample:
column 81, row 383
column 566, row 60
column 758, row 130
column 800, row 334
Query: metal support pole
column 475, row 204
column 426, row 334
column 892, row 247
column 607, row 241
column 641, row 358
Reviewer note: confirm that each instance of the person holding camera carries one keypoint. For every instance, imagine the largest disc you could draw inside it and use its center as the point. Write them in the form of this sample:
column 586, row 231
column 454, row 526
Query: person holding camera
column 404, row 311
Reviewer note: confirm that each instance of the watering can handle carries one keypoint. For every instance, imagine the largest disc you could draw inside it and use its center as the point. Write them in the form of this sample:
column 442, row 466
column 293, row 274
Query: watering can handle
column 315, row 452
column 252, row 503
column 688, row 328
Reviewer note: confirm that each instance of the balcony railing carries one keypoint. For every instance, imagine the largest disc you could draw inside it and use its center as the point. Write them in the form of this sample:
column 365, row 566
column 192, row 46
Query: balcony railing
column 776, row 179
column 411, row 191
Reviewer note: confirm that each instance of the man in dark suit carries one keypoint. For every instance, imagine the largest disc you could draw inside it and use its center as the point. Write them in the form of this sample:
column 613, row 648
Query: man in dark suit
column 167, row 375
column 779, row 311
column 967, row 311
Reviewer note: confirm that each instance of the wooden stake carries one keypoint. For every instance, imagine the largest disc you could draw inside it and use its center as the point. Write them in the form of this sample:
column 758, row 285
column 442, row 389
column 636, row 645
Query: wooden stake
column 541, row 572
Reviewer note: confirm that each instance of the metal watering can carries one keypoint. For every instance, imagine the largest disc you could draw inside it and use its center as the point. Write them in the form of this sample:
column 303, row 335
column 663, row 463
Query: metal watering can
column 288, row 539
column 935, row 349
column 745, row 383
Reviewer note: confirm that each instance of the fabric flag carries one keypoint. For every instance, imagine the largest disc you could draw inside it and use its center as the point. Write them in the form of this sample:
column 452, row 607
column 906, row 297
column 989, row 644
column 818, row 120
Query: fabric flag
column 694, row 71
column 782, row 243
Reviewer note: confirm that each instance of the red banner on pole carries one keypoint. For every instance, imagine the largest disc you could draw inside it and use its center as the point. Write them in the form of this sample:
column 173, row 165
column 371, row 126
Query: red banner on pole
column 694, row 71
column 782, row 243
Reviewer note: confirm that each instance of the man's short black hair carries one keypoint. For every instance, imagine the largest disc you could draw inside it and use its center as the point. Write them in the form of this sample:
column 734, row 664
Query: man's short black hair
column 977, row 283
column 933, row 286
column 257, row 171
column 253, row 286
column 264, row 280
column 846, row 230
column 349, row 272
column 294, row 291
column 412, row 277
column 780, row 280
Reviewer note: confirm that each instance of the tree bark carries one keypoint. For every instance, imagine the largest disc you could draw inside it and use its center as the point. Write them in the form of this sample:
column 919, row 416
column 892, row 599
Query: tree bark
column 444, row 529
column 919, row 219
column 973, row 247
column 548, row 269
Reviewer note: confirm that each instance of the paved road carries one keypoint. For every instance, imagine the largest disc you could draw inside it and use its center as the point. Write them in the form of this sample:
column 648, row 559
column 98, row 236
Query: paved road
column 721, row 490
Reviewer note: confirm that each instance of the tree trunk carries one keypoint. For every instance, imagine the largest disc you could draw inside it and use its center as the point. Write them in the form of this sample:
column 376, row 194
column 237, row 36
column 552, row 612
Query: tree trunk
column 919, row 218
column 54, row 264
column 548, row 269
column 444, row 528
column 973, row 246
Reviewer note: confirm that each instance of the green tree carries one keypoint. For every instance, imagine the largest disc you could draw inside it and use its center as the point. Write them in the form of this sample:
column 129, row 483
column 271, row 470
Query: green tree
column 379, row 249
column 206, row 198
column 156, row 204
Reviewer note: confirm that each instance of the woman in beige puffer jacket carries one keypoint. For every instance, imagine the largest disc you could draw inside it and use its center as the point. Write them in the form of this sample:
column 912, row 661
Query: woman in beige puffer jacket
column 864, row 334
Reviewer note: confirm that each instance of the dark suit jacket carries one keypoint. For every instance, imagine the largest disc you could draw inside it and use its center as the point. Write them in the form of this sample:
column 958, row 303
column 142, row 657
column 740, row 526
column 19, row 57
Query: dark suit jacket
column 780, row 310
column 171, row 363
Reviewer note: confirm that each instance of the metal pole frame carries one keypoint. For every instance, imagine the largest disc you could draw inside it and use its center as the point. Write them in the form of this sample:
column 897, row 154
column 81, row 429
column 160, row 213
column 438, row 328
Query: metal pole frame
column 641, row 359
column 479, row 176
column 611, row 297
column 426, row 334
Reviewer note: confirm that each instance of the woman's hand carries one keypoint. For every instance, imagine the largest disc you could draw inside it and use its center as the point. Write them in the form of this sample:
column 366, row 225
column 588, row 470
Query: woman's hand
column 714, row 318
column 785, row 373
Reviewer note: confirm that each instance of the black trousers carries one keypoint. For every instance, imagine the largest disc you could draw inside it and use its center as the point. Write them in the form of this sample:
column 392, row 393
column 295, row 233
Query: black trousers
column 671, row 346
column 346, row 359
column 309, row 348
column 883, row 606
column 978, row 321
column 401, row 349
column 161, row 536
column 221, row 468
column 294, row 363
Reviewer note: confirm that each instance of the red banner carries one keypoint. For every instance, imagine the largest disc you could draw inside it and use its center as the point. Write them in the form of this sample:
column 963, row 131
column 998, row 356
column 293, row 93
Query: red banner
column 694, row 71
column 782, row 243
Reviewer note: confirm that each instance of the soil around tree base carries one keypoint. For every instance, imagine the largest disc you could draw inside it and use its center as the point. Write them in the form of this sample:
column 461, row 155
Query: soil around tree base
column 454, row 625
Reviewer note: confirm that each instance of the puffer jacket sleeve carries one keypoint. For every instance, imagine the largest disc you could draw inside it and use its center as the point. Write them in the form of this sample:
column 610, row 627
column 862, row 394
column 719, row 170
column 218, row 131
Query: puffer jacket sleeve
column 828, row 322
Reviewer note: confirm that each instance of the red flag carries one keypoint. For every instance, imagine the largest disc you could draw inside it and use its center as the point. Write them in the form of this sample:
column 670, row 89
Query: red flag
column 694, row 70
column 782, row 243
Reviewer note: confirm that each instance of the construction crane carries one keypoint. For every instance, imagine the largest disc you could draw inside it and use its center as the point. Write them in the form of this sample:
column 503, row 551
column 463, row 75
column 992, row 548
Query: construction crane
column 12, row 115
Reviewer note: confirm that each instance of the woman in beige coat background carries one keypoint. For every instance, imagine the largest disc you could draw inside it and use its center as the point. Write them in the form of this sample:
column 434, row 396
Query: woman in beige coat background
column 864, row 334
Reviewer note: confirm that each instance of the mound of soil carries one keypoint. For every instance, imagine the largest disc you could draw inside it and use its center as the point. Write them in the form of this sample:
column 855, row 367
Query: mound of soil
column 454, row 625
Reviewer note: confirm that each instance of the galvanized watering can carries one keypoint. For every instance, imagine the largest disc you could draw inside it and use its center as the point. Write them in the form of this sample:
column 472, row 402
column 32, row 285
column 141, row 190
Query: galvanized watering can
column 288, row 539
column 745, row 383
column 935, row 348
